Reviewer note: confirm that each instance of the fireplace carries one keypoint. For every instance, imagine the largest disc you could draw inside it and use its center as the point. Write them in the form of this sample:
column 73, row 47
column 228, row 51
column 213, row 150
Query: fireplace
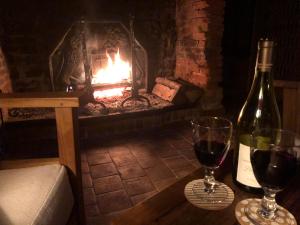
column 177, row 49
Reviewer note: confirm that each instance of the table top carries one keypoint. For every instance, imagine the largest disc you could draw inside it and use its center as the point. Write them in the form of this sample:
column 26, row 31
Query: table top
column 170, row 207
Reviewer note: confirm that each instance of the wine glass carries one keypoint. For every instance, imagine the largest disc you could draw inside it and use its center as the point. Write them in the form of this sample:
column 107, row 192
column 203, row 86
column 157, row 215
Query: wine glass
column 212, row 137
column 273, row 154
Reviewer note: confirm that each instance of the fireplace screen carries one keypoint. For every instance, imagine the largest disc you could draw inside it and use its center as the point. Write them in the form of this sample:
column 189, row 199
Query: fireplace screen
column 98, row 54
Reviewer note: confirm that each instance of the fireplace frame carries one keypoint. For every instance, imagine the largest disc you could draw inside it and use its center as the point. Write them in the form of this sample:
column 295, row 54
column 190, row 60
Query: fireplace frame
column 86, row 63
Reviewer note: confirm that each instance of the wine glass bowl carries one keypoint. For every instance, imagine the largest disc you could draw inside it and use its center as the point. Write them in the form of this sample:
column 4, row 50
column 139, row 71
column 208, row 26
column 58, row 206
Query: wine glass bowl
column 211, row 137
column 273, row 155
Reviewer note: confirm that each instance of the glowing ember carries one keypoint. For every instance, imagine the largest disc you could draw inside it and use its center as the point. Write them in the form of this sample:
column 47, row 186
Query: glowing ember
column 109, row 93
column 116, row 71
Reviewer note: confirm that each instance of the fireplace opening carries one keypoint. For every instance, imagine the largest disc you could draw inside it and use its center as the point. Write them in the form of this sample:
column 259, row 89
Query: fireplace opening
column 102, row 58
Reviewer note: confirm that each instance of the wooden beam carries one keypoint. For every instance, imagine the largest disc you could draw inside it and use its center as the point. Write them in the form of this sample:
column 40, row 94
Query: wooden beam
column 45, row 99
column 286, row 84
column 291, row 104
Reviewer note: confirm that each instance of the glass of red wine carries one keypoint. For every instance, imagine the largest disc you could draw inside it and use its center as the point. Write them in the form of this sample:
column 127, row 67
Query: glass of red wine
column 273, row 155
column 212, row 137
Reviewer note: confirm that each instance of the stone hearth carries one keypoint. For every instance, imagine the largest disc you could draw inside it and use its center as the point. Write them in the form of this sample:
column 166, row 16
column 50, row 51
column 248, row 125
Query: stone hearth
column 129, row 169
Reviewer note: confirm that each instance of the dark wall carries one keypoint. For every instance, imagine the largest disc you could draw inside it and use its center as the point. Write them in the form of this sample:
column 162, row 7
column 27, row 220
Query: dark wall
column 280, row 21
column 245, row 23
column 237, row 39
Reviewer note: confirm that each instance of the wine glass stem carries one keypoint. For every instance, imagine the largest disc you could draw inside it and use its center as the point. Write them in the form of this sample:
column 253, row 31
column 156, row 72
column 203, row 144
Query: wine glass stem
column 268, row 204
column 209, row 181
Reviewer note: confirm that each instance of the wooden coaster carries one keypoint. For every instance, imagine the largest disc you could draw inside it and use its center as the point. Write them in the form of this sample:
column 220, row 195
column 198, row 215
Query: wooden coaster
column 245, row 213
column 220, row 199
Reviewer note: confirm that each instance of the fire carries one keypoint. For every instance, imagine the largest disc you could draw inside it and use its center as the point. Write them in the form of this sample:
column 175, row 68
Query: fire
column 109, row 93
column 116, row 71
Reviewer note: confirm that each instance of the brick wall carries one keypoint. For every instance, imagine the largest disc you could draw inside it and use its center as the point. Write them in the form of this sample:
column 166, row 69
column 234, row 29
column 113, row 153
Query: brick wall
column 5, row 82
column 199, row 25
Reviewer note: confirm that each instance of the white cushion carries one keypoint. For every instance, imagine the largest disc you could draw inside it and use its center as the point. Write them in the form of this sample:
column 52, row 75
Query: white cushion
column 35, row 196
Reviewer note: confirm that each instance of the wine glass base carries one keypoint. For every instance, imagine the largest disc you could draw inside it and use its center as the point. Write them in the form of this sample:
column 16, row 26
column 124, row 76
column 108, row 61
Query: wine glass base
column 221, row 198
column 246, row 212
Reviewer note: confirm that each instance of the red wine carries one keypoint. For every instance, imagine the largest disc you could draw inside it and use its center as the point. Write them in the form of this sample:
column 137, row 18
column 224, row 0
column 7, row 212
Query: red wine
column 273, row 169
column 210, row 154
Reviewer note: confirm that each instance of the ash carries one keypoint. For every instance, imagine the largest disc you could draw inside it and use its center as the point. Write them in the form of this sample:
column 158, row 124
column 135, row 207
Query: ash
column 113, row 105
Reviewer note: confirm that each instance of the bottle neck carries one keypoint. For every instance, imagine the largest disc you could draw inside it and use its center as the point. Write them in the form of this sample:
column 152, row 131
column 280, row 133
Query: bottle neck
column 263, row 75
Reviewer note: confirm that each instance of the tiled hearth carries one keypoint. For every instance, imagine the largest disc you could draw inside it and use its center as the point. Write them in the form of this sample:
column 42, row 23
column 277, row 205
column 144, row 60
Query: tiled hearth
column 123, row 171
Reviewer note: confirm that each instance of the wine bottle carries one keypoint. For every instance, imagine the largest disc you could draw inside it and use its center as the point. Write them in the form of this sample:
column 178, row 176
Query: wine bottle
column 259, row 111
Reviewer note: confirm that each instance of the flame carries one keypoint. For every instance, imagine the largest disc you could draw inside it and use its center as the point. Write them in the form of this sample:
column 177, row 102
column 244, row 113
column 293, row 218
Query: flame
column 116, row 71
column 109, row 93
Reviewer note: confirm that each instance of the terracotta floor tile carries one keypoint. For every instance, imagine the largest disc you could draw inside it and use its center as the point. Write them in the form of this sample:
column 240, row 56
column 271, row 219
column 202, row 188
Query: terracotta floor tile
column 123, row 158
column 100, row 158
column 89, row 196
column 138, row 185
column 148, row 162
column 113, row 201
column 188, row 154
column 86, row 180
column 143, row 150
column 176, row 162
column 91, row 210
column 196, row 163
column 83, row 157
column 164, row 150
column 118, row 149
column 159, row 172
column 131, row 171
column 181, row 143
column 187, row 134
column 184, row 171
column 163, row 183
column 96, row 150
column 103, row 170
column 107, row 184
column 85, row 167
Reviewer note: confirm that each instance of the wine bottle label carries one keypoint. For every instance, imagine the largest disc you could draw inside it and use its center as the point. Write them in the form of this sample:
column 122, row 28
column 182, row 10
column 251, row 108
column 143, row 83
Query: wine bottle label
column 245, row 173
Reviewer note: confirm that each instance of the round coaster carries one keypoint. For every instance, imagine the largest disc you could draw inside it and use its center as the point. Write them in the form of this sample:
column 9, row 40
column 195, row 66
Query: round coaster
column 245, row 213
column 220, row 199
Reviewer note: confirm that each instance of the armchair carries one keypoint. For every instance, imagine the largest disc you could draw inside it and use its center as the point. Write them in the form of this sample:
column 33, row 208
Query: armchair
column 44, row 191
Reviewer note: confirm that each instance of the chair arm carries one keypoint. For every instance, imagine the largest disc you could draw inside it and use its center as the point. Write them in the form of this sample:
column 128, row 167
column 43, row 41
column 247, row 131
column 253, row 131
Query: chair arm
column 65, row 105
column 48, row 99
